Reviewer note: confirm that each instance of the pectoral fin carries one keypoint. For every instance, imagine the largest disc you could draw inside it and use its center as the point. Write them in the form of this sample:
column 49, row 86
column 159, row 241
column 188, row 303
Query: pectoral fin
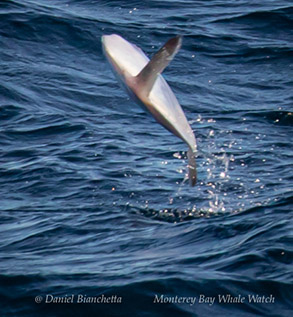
column 147, row 77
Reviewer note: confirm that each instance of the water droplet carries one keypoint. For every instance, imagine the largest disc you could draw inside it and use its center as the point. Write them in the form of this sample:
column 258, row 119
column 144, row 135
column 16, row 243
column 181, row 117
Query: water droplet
column 177, row 155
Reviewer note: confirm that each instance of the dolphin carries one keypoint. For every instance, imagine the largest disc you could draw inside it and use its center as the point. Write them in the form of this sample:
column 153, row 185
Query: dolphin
column 144, row 83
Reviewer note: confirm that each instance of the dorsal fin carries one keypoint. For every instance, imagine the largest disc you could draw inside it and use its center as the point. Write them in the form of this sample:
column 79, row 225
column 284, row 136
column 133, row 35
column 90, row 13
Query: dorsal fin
column 147, row 77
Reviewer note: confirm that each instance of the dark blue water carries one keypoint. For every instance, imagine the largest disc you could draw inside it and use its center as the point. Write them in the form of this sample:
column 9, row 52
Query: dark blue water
column 93, row 200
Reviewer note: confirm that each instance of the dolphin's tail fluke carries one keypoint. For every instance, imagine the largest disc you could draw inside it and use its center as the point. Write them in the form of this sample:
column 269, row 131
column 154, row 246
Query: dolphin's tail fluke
column 191, row 167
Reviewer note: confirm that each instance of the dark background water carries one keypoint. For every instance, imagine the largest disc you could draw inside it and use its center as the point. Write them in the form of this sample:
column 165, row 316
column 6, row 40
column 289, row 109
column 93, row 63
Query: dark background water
column 92, row 197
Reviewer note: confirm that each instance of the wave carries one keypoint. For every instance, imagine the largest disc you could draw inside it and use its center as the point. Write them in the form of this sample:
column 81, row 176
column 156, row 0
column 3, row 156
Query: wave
column 276, row 18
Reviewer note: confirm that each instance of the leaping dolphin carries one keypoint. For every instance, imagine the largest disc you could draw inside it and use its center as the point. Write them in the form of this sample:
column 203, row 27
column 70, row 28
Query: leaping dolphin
column 144, row 83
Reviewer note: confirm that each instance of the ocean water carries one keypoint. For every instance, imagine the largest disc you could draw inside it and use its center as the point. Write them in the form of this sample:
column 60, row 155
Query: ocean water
column 94, row 205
